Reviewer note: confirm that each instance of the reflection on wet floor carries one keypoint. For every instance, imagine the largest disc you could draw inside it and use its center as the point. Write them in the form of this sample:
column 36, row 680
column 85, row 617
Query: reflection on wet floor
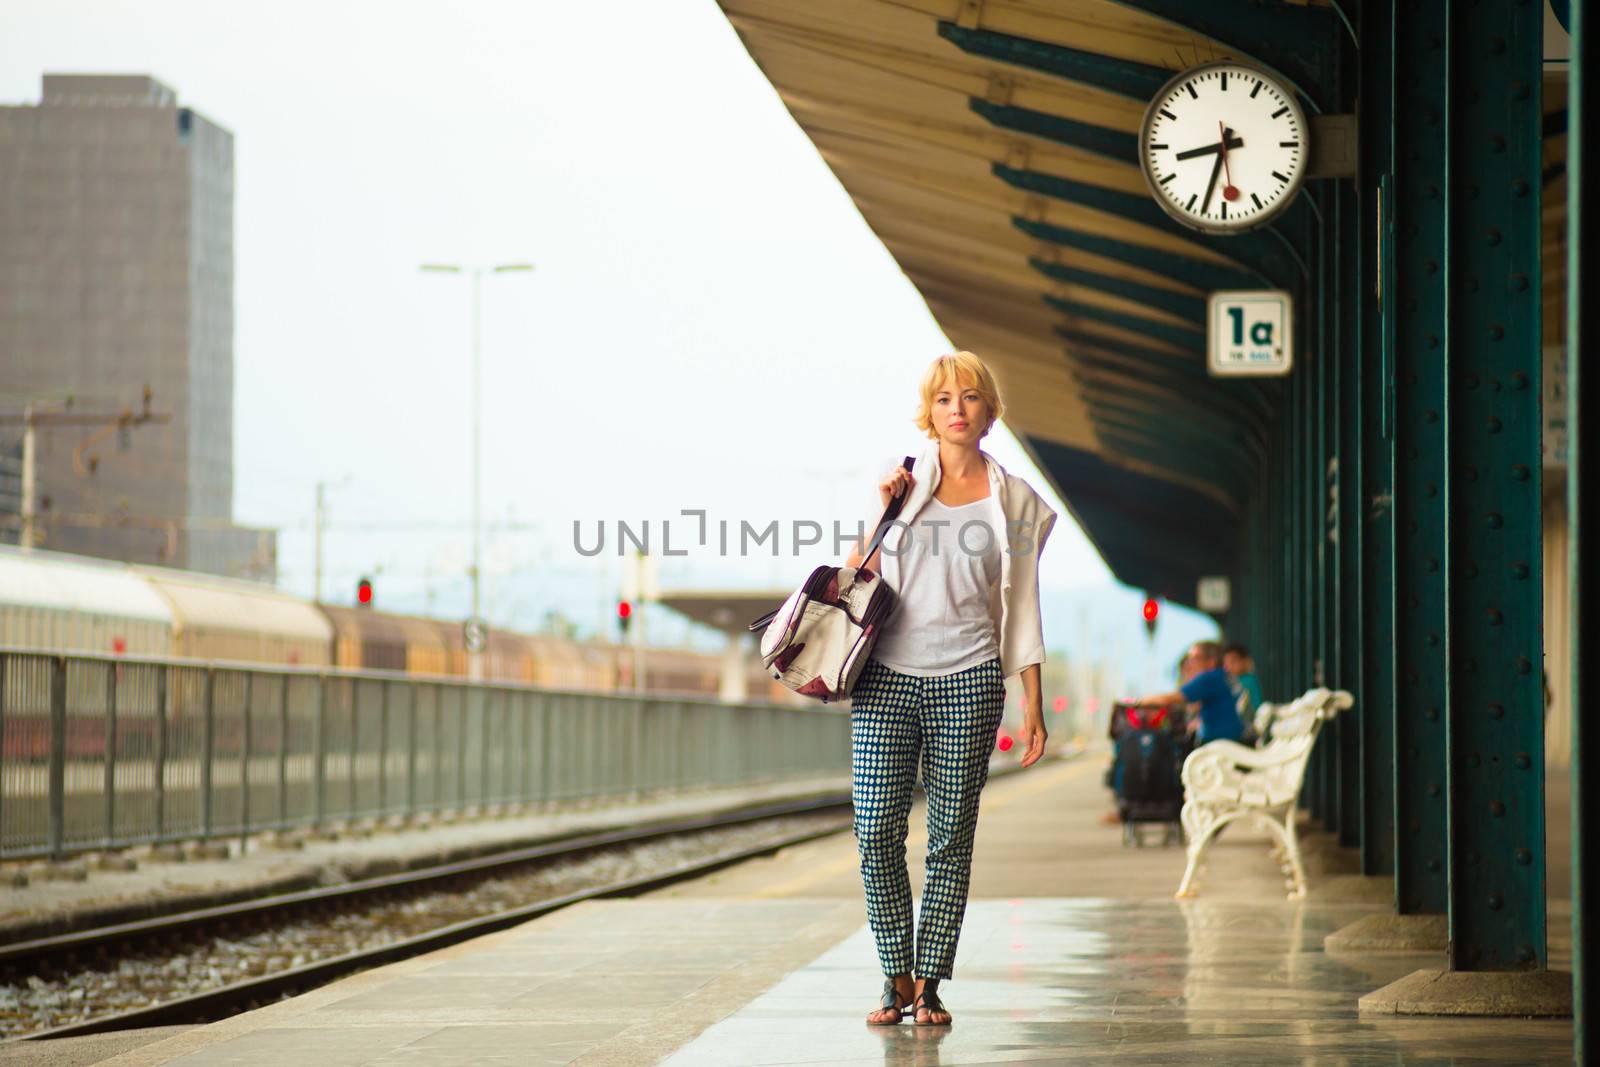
column 1182, row 982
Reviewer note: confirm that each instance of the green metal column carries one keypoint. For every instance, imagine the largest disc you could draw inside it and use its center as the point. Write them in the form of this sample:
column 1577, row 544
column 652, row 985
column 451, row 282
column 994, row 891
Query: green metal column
column 1371, row 634
column 1421, row 264
column 1583, row 325
column 1318, row 555
column 1495, row 698
column 1344, row 583
column 1302, row 492
column 1325, row 555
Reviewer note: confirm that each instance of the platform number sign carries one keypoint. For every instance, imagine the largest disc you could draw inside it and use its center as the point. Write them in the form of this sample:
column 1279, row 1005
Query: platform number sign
column 1214, row 594
column 1250, row 333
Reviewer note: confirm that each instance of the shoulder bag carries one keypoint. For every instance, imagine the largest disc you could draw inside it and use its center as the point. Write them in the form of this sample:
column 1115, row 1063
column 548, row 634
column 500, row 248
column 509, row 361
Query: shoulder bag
column 819, row 640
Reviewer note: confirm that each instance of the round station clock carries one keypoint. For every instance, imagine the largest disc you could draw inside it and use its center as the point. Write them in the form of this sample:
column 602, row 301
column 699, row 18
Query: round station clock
column 1224, row 147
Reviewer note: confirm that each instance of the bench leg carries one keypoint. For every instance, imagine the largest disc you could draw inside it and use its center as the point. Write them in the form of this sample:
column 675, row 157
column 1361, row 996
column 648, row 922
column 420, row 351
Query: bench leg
column 1199, row 838
column 1290, row 843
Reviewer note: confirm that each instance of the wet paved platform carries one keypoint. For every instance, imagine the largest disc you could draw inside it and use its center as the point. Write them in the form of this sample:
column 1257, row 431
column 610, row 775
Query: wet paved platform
column 1073, row 950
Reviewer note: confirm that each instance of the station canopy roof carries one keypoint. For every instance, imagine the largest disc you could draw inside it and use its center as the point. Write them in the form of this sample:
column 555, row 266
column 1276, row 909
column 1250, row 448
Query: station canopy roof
column 992, row 146
column 728, row 610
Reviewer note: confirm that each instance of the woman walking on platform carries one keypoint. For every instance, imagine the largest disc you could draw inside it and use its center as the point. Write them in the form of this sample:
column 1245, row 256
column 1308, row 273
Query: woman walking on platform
column 963, row 557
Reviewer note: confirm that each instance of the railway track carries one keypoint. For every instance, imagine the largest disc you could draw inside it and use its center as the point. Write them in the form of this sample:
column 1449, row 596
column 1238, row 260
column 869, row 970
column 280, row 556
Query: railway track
column 301, row 940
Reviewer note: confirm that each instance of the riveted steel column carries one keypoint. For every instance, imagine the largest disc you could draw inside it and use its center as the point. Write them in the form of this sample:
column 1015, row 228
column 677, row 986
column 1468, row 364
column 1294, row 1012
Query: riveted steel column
column 1311, row 792
column 1421, row 262
column 1345, row 584
column 1316, row 507
column 1283, row 557
column 1583, row 325
column 1370, row 632
column 1495, row 704
column 1323, row 549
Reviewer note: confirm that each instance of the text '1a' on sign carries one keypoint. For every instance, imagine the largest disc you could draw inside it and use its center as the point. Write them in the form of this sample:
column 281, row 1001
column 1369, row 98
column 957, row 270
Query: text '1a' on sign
column 1249, row 333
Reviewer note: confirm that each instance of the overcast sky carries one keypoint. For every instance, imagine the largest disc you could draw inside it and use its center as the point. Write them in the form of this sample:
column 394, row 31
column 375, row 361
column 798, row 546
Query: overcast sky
column 710, row 323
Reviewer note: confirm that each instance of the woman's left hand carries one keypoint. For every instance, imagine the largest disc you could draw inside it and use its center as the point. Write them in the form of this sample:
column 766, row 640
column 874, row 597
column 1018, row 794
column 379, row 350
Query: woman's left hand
column 1033, row 734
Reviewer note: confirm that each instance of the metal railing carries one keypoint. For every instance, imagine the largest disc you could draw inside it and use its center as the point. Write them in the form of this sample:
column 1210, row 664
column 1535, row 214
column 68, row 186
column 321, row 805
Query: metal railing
column 104, row 752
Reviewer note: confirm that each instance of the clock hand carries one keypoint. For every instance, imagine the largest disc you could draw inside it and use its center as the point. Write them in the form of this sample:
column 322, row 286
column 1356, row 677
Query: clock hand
column 1216, row 168
column 1233, row 142
column 1229, row 191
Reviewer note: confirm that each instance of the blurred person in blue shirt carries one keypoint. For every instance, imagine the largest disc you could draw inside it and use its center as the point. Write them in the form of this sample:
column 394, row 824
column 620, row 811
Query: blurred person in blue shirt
column 1212, row 688
column 1241, row 667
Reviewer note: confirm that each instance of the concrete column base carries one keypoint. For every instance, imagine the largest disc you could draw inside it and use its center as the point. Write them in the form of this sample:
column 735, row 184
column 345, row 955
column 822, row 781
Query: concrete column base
column 1356, row 888
column 1546, row 994
column 1391, row 933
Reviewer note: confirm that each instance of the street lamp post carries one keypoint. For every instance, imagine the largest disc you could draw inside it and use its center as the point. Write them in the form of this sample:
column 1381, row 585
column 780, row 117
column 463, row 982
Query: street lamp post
column 476, row 273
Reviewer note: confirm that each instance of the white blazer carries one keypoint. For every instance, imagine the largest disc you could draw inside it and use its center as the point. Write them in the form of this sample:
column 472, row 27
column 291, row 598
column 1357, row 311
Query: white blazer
column 1029, row 520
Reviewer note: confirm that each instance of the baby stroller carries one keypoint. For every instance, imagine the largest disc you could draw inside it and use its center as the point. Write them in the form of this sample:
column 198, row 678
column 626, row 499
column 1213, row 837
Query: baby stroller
column 1148, row 749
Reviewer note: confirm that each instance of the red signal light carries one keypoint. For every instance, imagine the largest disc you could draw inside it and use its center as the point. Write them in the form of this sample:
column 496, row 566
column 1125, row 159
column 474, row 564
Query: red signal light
column 624, row 609
column 1151, row 610
column 364, row 592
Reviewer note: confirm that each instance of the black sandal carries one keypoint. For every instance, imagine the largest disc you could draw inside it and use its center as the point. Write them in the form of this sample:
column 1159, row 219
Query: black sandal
column 929, row 1000
column 890, row 1000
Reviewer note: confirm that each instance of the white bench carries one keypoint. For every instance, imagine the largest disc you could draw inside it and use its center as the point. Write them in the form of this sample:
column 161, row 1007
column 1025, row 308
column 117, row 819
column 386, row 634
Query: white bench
column 1225, row 781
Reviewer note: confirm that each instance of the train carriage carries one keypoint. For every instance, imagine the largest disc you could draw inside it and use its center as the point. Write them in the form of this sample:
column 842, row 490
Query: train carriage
column 71, row 603
column 49, row 600
column 364, row 638
column 226, row 619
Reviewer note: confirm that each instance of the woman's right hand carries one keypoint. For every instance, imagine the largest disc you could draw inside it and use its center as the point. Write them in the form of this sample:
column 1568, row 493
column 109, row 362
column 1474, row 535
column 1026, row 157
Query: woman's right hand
column 898, row 481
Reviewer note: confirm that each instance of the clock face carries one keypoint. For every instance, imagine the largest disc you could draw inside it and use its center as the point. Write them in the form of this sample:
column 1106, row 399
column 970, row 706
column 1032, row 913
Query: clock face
column 1224, row 147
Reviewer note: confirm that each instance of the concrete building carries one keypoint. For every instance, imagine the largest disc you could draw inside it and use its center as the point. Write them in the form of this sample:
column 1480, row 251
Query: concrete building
column 116, row 273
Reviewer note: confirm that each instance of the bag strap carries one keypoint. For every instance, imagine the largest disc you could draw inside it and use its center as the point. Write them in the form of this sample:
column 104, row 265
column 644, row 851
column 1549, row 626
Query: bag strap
column 890, row 513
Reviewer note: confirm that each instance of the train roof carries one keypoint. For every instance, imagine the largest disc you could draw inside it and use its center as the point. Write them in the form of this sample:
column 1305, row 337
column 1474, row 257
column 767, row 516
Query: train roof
column 368, row 624
column 209, row 602
column 78, row 583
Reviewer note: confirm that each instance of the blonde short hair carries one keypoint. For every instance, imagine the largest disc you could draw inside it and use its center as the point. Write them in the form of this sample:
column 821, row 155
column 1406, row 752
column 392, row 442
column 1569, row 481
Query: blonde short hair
column 966, row 370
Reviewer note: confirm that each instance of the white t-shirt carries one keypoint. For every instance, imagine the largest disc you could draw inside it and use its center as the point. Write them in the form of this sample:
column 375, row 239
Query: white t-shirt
column 946, row 572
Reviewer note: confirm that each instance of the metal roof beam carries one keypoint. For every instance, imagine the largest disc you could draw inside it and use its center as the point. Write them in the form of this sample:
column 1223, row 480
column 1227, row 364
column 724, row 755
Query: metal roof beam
column 1252, row 409
column 1137, row 81
column 1194, row 391
column 1147, row 527
column 1263, row 251
column 1299, row 41
column 1197, row 434
column 1192, row 468
column 1256, row 392
column 1194, row 272
column 1187, row 339
column 1192, row 308
column 1117, row 145
column 1195, row 437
